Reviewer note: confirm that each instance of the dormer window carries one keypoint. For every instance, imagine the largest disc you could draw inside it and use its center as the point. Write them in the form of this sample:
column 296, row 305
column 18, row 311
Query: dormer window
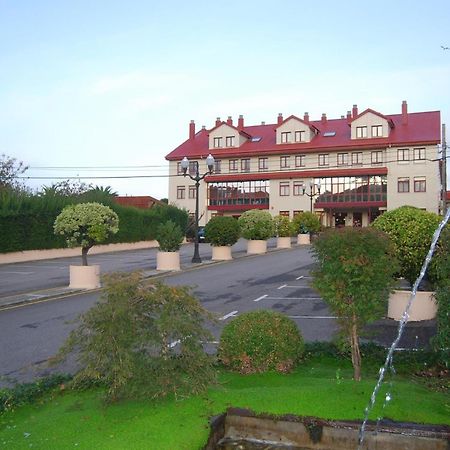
column 217, row 142
column 377, row 130
column 229, row 141
column 361, row 132
column 299, row 136
column 285, row 137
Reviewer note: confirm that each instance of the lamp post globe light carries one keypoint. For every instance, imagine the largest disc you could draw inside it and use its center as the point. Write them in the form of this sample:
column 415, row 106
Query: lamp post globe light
column 197, row 178
column 312, row 193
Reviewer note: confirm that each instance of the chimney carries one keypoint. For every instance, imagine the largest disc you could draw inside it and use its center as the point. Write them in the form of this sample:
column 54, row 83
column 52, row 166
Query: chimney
column 404, row 113
column 218, row 121
column 306, row 117
column 241, row 122
column 324, row 118
column 263, row 123
column 203, row 127
column 342, row 117
column 192, row 130
column 280, row 118
column 230, row 121
column 355, row 110
column 349, row 116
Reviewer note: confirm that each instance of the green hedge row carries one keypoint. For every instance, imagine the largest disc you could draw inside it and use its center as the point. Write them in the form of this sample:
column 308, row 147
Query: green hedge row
column 26, row 221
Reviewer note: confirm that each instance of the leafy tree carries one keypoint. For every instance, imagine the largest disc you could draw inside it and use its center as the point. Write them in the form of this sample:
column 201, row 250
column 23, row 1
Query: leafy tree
column 222, row 230
column 169, row 237
column 10, row 170
column 256, row 224
column 142, row 341
column 164, row 200
column 66, row 188
column 306, row 222
column 283, row 226
column 85, row 225
column 354, row 275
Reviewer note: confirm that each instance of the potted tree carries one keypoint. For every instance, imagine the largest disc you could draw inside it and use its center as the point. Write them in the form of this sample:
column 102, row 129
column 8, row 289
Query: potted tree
column 256, row 226
column 222, row 232
column 85, row 225
column 169, row 237
column 411, row 231
column 306, row 223
column 284, row 229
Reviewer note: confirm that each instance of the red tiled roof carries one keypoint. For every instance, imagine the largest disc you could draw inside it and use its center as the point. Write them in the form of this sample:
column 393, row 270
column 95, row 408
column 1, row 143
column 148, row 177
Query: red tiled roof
column 422, row 128
column 138, row 201
column 300, row 120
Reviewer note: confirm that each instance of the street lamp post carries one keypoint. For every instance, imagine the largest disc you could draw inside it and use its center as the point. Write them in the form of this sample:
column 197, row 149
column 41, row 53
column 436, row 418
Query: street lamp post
column 197, row 178
column 312, row 192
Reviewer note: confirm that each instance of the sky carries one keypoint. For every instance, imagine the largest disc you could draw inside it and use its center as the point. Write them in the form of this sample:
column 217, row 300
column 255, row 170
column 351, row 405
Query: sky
column 108, row 88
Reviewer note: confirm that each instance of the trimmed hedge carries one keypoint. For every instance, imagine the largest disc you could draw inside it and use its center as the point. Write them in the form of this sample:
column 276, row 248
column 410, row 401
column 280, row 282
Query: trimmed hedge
column 26, row 221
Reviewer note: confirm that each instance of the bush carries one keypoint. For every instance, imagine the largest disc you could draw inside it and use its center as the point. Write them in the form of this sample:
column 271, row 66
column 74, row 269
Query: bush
column 222, row 230
column 306, row 222
column 142, row 341
column 411, row 231
column 283, row 226
column 169, row 237
column 256, row 224
column 258, row 341
column 354, row 275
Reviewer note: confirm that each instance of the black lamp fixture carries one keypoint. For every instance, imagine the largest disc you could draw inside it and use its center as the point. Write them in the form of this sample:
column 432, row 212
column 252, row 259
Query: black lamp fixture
column 314, row 189
column 197, row 178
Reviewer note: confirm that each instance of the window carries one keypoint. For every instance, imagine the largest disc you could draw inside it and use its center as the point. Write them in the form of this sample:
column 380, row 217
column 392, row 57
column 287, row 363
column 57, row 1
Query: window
column 284, row 189
column 193, row 167
column 217, row 142
column 217, row 166
column 285, row 137
column 420, row 184
column 297, row 188
column 419, row 154
column 357, row 158
column 229, row 141
column 361, row 132
column 191, row 192
column 342, row 159
column 299, row 136
column 403, row 155
column 284, row 213
column 377, row 157
column 297, row 212
column 323, row 159
column 245, row 165
column 284, row 162
column 181, row 192
column 377, row 130
column 263, row 164
column 233, row 165
column 300, row 161
column 403, row 185
column 179, row 169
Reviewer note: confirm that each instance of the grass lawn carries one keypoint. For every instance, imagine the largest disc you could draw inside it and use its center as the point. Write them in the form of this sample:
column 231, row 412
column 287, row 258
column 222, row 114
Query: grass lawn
column 324, row 389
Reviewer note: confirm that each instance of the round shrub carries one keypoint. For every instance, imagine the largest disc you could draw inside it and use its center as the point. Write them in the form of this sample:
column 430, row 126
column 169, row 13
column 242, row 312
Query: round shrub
column 306, row 222
column 258, row 341
column 411, row 231
column 283, row 226
column 256, row 224
column 222, row 230
column 169, row 237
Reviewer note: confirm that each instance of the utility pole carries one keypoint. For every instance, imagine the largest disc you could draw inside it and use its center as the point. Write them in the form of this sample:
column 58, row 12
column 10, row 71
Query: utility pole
column 444, row 171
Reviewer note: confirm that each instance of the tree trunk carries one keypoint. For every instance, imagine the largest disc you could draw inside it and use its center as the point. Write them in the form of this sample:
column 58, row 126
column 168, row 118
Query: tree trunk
column 356, row 355
column 84, row 252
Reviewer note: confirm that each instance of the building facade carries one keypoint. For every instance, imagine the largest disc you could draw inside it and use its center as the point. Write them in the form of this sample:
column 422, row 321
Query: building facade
column 347, row 170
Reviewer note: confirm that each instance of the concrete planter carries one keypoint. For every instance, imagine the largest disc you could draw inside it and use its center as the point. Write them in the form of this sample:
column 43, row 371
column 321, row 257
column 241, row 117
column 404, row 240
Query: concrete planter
column 221, row 253
column 284, row 242
column 168, row 261
column 84, row 277
column 303, row 239
column 423, row 307
column 256, row 247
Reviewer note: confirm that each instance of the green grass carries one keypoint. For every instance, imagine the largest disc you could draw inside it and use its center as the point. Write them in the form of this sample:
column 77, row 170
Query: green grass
column 80, row 420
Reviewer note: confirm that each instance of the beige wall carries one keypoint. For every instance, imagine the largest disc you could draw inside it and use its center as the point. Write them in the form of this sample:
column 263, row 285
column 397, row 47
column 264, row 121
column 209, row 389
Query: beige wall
column 289, row 203
column 368, row 120
column 294, row 125
column 224, row 131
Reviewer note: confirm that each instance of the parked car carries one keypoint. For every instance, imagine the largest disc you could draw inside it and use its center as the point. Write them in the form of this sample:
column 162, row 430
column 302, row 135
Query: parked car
column 201, row 234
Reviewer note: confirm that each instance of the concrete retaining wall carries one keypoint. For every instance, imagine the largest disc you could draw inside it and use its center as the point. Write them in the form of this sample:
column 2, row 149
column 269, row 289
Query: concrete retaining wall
column 35, row 255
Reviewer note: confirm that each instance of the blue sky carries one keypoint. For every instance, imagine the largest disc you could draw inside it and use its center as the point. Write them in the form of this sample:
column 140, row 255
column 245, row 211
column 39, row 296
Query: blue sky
column 109, row 83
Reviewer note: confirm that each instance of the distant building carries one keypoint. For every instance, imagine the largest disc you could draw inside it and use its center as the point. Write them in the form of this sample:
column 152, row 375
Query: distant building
column 139, row 201
column 365, row 162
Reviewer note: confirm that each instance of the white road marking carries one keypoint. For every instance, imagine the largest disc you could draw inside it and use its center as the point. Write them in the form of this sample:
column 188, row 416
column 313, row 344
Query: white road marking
column 313, row 317
column 260, row 298
column 283, row 286
column 227, row 316
column 300, row 277
column 294, row 298
column 298, row 286
column 174, row 343
column 18, row 273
